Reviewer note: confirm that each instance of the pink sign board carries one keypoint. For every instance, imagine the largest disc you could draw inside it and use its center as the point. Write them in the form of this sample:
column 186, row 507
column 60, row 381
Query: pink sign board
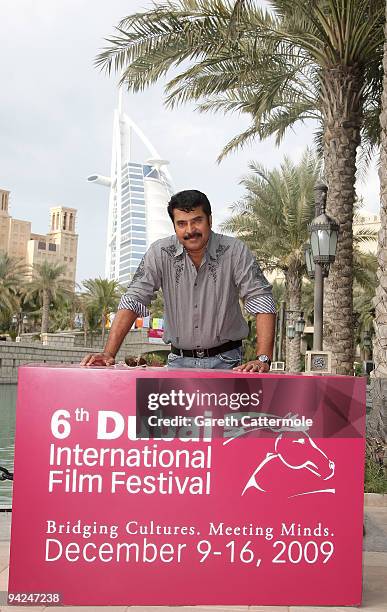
column 242, row 489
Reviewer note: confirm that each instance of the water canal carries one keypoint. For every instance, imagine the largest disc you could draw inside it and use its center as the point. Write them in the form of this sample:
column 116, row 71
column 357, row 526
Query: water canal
column 7, row 439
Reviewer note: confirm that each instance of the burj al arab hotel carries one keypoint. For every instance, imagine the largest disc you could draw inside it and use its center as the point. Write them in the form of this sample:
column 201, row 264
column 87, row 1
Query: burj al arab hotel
column 139, row 193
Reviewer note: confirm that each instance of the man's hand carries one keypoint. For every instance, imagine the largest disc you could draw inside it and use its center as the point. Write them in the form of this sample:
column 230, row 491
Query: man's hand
column 122, row 323
column 253, row 366
column 98, row 359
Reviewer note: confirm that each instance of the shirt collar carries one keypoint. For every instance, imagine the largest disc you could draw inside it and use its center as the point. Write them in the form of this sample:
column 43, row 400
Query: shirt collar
column 212, row 244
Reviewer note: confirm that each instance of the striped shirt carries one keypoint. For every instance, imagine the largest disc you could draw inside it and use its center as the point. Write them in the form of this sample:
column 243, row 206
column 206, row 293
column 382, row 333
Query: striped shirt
column 202, row 308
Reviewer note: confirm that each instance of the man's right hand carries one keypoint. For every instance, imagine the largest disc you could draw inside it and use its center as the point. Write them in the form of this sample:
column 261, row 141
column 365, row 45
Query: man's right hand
column 122, row 323
column 98, row 359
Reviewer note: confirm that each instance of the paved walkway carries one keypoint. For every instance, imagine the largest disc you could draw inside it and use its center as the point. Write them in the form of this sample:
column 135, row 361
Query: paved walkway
column 375, row 572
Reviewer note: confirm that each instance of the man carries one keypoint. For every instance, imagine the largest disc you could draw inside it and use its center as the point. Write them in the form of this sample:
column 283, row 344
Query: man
column 203, row 275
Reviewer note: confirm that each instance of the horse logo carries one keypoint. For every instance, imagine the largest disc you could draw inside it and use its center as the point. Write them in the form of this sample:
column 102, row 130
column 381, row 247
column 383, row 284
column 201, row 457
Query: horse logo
column 297, row 462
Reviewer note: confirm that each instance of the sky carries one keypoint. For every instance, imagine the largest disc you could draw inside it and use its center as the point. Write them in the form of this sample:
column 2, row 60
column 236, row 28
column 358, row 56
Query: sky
column 56, row 116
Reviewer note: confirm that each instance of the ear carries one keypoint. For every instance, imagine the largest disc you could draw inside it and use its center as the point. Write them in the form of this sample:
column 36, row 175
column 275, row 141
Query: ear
column 210, row 220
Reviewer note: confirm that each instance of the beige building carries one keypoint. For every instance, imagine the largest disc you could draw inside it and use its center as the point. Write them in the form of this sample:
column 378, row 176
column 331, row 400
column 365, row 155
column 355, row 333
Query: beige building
column 59, row 245
column 14, row 233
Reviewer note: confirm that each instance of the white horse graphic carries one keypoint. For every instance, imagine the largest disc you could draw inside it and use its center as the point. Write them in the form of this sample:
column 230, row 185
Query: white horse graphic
column 297, row 453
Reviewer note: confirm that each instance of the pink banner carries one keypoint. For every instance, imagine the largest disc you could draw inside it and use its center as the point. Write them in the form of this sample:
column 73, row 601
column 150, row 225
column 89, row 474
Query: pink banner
column 243, row 489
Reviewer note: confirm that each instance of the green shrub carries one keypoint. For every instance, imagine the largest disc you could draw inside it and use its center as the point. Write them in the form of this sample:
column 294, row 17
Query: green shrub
column 375, row 480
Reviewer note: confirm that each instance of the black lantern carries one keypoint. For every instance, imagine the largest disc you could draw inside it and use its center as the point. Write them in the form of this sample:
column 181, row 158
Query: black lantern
column 299, row 325
column 310, row 265
column 367, row 339
column 290, row 331
column 324, row 232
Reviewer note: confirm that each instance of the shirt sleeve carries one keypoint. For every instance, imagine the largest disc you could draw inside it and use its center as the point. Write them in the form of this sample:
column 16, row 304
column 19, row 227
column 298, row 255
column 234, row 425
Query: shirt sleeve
column 143, row 286
column 254, row 289
column 126, row 303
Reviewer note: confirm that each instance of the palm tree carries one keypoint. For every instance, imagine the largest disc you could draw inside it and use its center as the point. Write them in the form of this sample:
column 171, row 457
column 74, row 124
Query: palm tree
column 12, row 280
column 272, row 218
column 103, row 295
column 378, row 417
column 302, row 59
column 90, row 314
column 63, row 311
column 49, row 283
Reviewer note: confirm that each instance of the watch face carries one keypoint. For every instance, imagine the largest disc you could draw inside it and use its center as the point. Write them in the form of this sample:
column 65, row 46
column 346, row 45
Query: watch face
column 263, row 358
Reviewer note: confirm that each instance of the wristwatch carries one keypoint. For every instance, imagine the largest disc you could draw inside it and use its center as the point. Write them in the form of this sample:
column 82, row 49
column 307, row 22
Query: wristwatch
column 264, row 359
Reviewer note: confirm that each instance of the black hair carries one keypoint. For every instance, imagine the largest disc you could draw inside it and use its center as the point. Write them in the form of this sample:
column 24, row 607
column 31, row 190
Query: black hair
column 188, row 200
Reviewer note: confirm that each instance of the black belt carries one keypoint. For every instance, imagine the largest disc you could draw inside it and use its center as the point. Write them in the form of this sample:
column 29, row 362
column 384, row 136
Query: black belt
column 211, row 352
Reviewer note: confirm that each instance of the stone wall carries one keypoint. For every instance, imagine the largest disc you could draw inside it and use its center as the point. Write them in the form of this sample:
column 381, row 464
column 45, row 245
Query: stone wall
column 13, row 354
column 58, row 339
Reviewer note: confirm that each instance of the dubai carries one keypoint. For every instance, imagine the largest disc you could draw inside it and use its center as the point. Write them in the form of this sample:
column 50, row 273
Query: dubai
column 193, row 305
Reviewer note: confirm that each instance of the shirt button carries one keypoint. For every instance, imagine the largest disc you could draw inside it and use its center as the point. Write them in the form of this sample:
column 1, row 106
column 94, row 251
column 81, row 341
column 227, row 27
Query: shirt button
column 195, row 285
column 196, row 305
column 196, row 326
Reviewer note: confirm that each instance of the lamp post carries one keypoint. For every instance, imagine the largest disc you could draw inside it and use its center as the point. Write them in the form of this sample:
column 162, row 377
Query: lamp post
column 323, row 242
column 281, row 325
column 367, row 344
column 291, row 331
column 299, row 325
column 19, row 320
column 295, row 327
column 310, row 265
column 367, row 339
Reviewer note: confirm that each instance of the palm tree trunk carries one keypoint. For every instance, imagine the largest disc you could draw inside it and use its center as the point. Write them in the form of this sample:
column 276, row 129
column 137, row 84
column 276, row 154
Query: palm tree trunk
column 342, row 109
column 377, row 421
column 45, row 310
column 293, row 282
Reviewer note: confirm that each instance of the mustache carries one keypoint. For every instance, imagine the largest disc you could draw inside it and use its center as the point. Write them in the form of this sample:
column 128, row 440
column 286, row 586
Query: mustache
column 193, row 235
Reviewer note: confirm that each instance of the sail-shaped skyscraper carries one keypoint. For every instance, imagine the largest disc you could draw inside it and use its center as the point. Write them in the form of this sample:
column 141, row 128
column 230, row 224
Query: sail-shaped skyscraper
column 139, row 193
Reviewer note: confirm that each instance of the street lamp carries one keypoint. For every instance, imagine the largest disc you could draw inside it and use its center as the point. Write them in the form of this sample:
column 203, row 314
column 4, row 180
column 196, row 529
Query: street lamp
column 310, row 265
column 19, row 321
column 291, row 331
column 367, row 339
column 324, row 232
column 300, row 324
column 295, row 327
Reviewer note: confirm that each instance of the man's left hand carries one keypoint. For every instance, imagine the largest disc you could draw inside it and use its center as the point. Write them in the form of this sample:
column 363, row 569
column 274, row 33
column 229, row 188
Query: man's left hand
column 256, row 366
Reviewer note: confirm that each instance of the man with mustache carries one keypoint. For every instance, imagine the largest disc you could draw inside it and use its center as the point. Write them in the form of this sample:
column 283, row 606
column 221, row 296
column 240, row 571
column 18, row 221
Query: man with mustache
column 203, row 276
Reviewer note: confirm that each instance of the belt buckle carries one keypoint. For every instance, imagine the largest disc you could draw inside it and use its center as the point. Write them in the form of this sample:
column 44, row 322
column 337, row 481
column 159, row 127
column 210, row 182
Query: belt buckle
column 200, row 353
